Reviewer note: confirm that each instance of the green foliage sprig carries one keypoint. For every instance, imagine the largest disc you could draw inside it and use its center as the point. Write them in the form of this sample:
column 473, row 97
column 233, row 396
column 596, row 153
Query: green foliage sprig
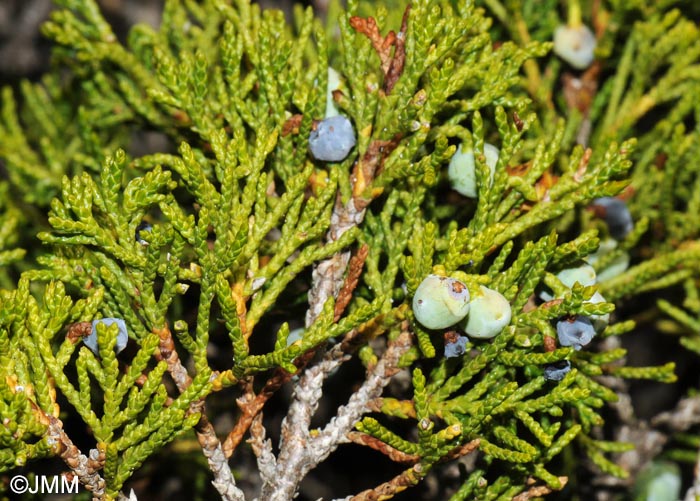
column 213, row 248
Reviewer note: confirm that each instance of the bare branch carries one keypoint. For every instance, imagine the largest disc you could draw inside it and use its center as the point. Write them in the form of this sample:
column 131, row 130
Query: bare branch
column 293, row 460
column 299, row 450
column 223, row 481
column 693, row 493
column 685, row 415
column 538, row 491
column 262, row 448
column 327, row 276
column 351, row 280
column 78, row 462
column 326, row 441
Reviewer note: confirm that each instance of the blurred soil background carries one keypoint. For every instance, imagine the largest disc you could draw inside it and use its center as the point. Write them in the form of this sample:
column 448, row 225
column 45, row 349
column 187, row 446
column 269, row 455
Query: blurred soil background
column 24, row 53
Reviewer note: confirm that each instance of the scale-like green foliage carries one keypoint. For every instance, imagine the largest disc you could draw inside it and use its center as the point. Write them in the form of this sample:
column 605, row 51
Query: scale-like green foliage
column 215, row 246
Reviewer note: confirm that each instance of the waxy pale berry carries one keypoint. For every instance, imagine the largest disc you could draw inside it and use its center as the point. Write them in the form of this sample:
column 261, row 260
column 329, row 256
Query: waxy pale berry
column 295, row 335
column 616, row 215
column 122, row 336
column 616, row 267
column 659, row 481
column 440, row 302
column 575, row 45
column 557, row 370
column 584, row 275
column 456, row 347
column 332, row 139
column 462, row 169
column 490, row 312
column 576, row 331
column 600, row 322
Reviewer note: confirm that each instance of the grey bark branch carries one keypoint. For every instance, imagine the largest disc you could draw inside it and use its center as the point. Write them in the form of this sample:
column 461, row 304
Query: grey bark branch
column 300, row 452
column 78, row 462
column 327, row 277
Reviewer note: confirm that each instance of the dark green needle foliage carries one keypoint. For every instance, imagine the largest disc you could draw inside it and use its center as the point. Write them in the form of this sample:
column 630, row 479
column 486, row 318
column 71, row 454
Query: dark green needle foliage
column 215, row 246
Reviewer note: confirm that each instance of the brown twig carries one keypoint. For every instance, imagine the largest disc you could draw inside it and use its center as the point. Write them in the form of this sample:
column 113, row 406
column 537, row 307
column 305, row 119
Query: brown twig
column 403, row 457
column 399, row 59
column 463, row 450
column 96, row 460
column 351, row 280
column 395, row 455
column 368, row 167
column 168, row 353
column 392, row 66
column 223, row 481
column 327, row 276
column 78, row 462
column 389, row 489
column 538, row 491
column 251, row 405
column 682, row 417
column 78, row 330
column 383, row 45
